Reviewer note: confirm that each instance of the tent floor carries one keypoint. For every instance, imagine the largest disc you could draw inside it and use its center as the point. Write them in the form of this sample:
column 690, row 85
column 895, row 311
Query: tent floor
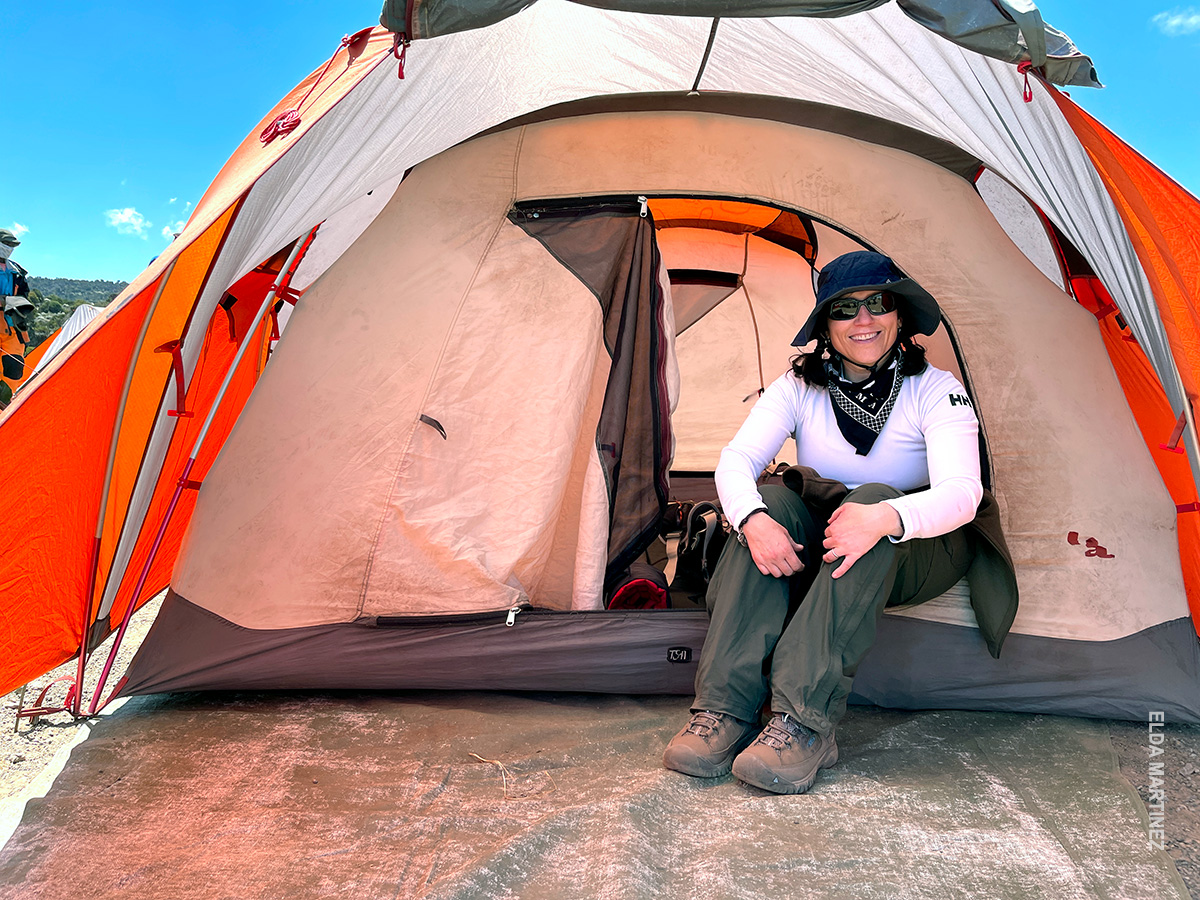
column 404, row 795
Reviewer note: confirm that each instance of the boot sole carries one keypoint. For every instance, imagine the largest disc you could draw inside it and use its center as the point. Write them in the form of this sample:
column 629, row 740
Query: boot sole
column 755, row 772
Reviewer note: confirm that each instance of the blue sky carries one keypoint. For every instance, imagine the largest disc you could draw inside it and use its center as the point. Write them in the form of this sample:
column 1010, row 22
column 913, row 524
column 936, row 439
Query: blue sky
column 120, row 114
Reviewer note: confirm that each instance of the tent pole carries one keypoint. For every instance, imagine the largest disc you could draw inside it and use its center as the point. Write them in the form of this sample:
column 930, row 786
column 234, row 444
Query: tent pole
column 1189, row 435
column 108, row 470
column 94, row 565
column 286, row 274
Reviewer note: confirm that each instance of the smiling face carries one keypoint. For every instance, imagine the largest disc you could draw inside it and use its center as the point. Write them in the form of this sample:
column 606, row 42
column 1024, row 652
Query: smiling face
column 865, row 338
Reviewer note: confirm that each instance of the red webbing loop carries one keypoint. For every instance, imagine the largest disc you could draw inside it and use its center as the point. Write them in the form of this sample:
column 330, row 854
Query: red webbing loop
column 400, row 43
column 1172, row 443
column 1027, row 93
column 289, row 120
column 284, row 123
column 39, row 708
column 173, row 347
column 1187, row 507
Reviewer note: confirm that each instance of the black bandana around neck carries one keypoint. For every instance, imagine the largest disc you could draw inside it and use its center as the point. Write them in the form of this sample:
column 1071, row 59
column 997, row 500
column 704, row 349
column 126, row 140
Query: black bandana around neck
column 862, row 408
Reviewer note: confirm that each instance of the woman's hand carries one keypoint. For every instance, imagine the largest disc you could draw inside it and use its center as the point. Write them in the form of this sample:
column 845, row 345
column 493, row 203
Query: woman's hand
column 854, row 528
column 771, row 546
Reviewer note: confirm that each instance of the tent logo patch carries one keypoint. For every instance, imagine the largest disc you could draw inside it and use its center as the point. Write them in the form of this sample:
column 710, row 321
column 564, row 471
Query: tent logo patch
column 679, row 654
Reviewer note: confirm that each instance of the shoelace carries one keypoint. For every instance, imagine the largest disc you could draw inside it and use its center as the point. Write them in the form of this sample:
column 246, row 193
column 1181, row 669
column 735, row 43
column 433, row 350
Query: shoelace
column 703, row 722
column 781, row 729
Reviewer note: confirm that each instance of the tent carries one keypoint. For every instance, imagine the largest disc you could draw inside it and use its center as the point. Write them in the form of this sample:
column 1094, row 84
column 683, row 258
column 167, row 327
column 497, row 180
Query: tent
column 39, row 357
column 61, row 338
column 531, row 301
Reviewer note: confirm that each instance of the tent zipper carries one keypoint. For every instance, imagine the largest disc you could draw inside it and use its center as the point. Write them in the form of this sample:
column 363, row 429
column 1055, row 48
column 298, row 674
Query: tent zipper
column 621, row 204
column 507, row 616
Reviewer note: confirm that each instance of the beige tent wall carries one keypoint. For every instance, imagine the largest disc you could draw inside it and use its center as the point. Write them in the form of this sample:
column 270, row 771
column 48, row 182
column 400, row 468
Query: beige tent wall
column 442, row 308
column 474, row 516
column 362, row 360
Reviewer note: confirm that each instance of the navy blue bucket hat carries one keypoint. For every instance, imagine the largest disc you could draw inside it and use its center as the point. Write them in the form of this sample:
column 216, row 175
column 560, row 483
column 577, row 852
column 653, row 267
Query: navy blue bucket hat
column 865, row 270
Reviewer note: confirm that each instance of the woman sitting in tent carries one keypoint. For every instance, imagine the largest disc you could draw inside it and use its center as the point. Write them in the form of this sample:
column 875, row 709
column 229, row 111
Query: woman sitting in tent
column 795, row 599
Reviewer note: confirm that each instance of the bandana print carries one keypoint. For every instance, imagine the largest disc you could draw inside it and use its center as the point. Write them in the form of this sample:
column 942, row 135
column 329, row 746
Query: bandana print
column 862, row 408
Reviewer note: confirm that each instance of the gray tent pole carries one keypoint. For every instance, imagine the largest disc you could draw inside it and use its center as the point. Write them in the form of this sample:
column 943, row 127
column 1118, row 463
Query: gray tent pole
column 285, row 276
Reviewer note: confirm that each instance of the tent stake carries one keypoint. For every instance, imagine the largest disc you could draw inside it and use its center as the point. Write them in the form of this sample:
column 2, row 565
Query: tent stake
column 286, row 274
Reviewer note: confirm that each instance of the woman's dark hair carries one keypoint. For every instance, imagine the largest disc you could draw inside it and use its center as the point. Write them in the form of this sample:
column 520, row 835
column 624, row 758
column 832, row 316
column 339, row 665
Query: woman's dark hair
column 810, row 366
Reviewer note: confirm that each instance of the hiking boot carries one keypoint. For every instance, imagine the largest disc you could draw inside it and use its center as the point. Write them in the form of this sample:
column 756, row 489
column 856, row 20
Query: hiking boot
column 786, row 757
column 707, row 744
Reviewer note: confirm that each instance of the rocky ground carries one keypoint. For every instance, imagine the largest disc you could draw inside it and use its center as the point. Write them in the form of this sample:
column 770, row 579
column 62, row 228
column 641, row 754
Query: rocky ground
column 27, row 748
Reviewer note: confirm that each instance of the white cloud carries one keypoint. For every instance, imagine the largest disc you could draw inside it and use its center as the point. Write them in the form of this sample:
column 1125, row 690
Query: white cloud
column 173, row 228
column 187, row 206
column 19, row 230
column 1178, row 21
column 128, row 221
column 172, row 200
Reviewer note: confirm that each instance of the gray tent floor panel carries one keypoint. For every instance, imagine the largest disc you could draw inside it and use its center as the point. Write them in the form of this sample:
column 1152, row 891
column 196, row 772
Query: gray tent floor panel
column 914, row 664
column 468, row 795
column 930, row 665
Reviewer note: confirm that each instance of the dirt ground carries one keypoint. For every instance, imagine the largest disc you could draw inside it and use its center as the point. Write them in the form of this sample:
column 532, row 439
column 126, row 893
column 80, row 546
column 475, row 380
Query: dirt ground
column 26, row 749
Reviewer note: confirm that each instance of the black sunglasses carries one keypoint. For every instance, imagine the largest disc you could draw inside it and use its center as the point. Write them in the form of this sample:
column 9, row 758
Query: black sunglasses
column 845, row 308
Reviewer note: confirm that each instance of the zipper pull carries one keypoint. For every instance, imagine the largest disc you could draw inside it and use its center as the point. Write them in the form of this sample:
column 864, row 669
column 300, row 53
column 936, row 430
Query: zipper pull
column 645, row 211
column 512, row 616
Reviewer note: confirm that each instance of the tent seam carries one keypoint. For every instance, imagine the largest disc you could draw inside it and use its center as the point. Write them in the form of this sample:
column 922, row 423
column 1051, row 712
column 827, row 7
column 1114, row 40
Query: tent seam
column 403, row 456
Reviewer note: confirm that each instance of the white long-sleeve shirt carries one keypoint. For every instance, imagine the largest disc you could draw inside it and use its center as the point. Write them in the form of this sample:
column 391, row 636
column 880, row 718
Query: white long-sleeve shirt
column 931, row 438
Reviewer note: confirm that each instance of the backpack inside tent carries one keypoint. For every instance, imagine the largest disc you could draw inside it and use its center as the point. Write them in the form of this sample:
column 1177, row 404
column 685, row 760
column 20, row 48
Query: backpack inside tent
column 417, row 382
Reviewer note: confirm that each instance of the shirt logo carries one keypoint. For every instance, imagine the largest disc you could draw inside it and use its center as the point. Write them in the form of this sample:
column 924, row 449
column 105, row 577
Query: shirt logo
column 960, row 400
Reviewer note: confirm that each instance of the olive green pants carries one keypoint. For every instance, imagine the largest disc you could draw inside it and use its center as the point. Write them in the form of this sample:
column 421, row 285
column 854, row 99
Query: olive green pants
column 798, row 641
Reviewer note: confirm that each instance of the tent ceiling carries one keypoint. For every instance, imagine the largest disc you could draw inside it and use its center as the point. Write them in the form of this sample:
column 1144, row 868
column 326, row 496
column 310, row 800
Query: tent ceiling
column 781, row 227
column 823, row 116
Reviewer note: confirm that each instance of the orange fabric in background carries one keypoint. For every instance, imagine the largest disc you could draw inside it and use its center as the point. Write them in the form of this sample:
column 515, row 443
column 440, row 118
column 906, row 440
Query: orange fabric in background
column 65, row 426
column 740, row 217
column 1163, row 223
column 32, row 360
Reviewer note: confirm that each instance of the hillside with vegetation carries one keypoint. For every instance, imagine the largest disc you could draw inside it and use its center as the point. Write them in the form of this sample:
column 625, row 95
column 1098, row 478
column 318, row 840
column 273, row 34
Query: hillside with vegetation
column 56, row 298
